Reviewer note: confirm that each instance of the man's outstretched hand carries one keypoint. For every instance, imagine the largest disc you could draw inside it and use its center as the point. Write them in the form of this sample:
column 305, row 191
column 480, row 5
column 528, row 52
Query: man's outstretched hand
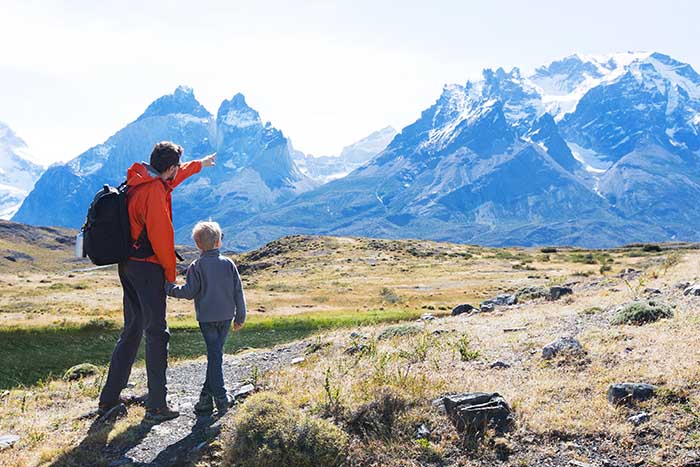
column 237, row 326
column 209, row 161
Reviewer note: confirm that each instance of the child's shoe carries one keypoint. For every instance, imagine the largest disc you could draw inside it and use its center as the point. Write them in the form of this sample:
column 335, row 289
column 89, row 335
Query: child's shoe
column 223, row 404
column 205, row 405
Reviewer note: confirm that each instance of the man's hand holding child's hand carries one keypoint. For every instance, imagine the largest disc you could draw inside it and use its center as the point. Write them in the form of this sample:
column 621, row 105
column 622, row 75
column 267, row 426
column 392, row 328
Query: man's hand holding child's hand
column 237, row 326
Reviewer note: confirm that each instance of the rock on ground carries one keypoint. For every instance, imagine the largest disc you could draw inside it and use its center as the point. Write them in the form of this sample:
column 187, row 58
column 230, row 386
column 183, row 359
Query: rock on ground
column 626, row 392
column 564, row 344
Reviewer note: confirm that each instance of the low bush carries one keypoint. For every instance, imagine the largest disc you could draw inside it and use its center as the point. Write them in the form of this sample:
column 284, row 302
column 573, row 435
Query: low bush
column 268, row 432
column 399, row 331
column 377, row 419
column 531, row 293
column 642, row 312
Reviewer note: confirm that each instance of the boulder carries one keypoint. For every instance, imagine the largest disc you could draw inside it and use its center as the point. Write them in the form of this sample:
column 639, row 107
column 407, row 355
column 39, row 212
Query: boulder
column 564, row 344
column 487, row 307
column 692, row 290
column 472, row 413
column 426, row 317
column 501, row 300
column 559, row 291
column 463, row 308
column 626, row 392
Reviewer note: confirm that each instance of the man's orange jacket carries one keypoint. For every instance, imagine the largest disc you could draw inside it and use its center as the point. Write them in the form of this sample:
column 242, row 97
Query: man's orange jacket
column 150, row 205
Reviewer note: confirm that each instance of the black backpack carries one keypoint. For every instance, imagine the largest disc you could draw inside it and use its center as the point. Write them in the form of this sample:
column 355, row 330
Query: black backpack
column 107, row 231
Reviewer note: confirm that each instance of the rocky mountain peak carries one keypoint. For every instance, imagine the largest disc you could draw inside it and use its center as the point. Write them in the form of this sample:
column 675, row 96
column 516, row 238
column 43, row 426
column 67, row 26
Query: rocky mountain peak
column 181, row 101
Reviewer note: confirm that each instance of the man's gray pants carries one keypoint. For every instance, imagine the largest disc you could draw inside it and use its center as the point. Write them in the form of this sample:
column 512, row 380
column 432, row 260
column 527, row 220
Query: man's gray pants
column 144, row 311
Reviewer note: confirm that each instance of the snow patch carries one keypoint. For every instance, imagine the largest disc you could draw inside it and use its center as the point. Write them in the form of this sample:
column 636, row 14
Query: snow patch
column 241, row 119
column 591, row 160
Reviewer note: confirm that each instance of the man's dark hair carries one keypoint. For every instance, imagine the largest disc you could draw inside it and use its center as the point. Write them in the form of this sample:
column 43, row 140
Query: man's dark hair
column 165, row 154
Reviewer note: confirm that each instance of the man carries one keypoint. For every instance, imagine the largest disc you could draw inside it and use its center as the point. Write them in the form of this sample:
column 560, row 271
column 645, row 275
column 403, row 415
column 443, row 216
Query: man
column 143, row 276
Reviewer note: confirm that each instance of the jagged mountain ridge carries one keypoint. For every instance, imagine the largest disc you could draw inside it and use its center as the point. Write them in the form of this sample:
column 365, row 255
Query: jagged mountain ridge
column 18, row 172
column 589, row 151
column 254, row 168
column 327, row 168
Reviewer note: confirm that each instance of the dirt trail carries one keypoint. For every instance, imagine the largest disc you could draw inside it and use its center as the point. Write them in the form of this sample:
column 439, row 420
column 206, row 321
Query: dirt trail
column 179, row 441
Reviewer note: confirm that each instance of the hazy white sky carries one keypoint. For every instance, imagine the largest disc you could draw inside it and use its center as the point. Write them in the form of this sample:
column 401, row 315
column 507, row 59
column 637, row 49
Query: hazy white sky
column 326, row 73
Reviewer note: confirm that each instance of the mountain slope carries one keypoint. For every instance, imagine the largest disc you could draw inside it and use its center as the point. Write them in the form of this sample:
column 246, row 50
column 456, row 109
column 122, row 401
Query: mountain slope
column 254, row 168
column 595, row 152
column 18, row 172
column 326, row 168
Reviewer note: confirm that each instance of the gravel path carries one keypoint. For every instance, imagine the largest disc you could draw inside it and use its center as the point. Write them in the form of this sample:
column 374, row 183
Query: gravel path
column 178, row 441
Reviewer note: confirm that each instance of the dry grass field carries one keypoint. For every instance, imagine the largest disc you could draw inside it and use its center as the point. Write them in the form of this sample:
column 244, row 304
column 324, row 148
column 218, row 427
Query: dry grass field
column 343, row 292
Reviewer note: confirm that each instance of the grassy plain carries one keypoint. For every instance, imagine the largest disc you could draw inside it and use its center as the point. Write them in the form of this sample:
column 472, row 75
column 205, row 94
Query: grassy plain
column 54, row 314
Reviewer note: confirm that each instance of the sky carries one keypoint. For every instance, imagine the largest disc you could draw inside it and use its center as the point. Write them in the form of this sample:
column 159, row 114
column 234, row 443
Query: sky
column 326, row 73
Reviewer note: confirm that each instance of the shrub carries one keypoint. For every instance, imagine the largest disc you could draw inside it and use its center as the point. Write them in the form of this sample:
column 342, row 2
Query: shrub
column 642, row 312
column 268, row 432
column 80, row 371
column 466, row 353
column 399, row 330
column 548, row 249
column 389, row 295
column 530, row 293
column 377, row 419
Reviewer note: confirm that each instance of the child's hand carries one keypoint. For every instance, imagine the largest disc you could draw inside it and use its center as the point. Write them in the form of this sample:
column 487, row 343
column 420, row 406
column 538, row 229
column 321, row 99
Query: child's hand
column 237, row 326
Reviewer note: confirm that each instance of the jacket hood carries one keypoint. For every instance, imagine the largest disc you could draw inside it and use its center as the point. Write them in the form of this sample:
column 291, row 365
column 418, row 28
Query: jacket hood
column 140, row 173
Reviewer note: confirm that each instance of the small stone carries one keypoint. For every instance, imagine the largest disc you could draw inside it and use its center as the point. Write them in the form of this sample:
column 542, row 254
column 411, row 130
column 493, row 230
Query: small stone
column 463, row 308
column 692, row 290
column 427, row 317
column 500, row 364
column 244, row 391
column 6, row 441
column 565, row 344
column 298, row 360
column 487, row 307
column 626, row 392
column 354, row 349
column 423, row 432
column 557, row 292
column 652, row 291
column 638, row 419
column 580, row 464
column 356, row 335
column 682, row 285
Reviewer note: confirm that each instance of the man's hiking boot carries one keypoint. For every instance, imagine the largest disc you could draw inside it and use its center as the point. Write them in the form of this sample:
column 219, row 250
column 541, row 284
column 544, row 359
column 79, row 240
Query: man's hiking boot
column 223, row 404
column 111, row 412
column 161, row 415
column 205, row 405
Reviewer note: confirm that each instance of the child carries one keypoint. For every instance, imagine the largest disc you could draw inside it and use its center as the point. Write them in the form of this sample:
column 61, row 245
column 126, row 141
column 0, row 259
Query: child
column 214, row 283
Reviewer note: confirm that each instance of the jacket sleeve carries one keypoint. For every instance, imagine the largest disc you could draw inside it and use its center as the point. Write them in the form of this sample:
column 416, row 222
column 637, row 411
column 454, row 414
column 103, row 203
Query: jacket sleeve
column 160, row 232
column 238, row 296
column 191, row 287
column 185, row 171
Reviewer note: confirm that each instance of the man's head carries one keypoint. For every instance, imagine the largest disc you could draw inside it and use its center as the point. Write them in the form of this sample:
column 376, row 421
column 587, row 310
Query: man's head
column 165, row 158
column 207, row 235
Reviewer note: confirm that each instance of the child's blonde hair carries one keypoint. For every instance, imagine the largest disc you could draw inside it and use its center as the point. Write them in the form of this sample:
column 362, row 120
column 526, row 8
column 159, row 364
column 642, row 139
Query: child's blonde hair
column 207, row 235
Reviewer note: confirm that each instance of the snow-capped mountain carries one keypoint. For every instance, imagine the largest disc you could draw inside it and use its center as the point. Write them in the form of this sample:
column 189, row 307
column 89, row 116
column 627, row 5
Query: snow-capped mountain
column 253, row 170
column 327, row 168
column 18, row 171
column 592, row 151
